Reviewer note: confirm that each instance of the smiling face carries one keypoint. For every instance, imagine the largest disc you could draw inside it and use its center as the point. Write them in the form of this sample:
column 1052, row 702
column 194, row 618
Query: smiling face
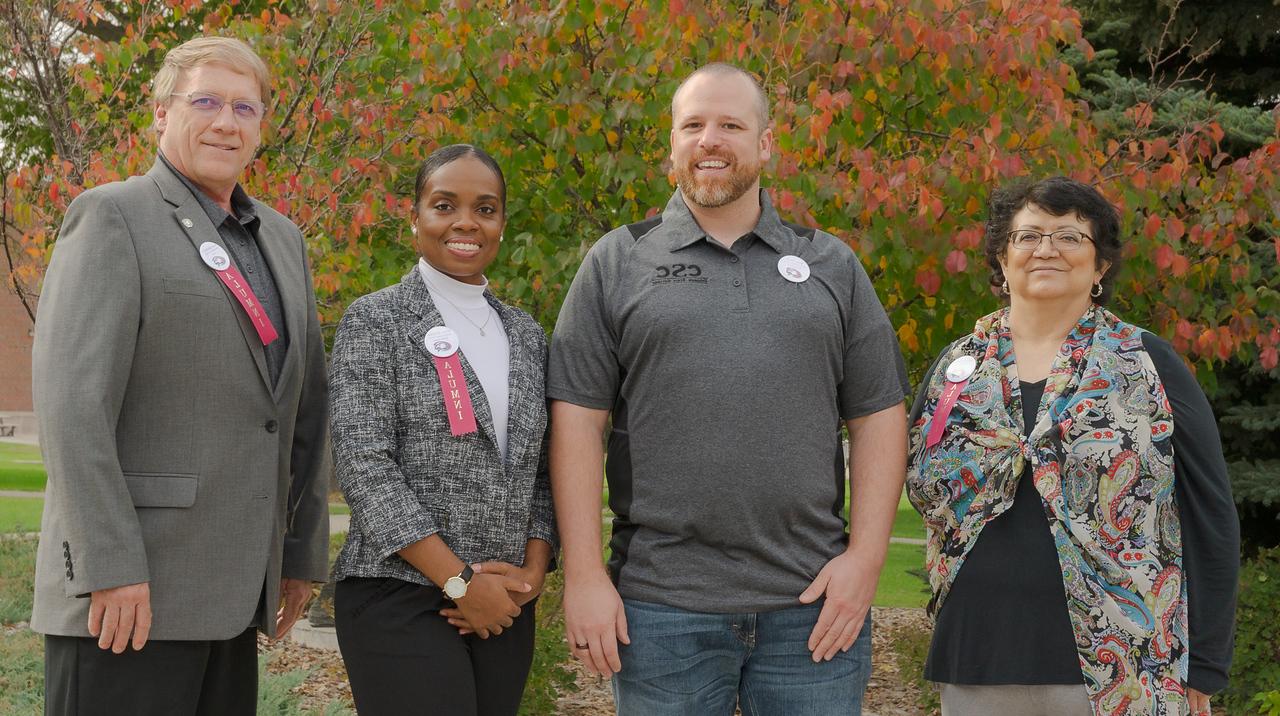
column 210, row 149
column 718, row 143
column 1048, row 273
column 458, row 219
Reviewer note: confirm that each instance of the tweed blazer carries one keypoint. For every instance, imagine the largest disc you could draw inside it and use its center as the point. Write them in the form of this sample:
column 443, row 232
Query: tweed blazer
column 404, row 474
column 171, row 457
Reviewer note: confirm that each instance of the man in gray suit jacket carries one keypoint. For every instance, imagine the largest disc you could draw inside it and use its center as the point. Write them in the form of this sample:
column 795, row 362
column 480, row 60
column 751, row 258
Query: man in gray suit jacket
column 180, row 387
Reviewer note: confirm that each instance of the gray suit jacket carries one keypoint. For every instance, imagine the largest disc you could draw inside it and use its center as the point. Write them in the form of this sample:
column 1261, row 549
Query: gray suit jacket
column 170, row 458
column 404, row 474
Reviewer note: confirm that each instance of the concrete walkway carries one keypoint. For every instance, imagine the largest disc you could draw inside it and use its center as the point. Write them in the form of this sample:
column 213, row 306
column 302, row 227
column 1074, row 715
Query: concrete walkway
column 31, row 494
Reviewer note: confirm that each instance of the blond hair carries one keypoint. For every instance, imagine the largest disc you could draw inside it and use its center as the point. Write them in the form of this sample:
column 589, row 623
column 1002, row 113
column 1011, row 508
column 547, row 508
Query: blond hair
column 228, row 51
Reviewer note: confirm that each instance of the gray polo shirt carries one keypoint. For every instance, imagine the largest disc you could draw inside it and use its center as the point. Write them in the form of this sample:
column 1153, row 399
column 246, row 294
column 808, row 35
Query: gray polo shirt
column 239, row 233
column 727, row 385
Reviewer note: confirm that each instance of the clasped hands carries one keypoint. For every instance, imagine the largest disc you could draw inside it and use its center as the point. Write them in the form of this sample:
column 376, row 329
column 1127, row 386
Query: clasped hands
column 494, row 598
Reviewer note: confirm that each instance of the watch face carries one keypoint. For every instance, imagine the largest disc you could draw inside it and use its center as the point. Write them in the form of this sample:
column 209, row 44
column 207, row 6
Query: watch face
column 455, row 588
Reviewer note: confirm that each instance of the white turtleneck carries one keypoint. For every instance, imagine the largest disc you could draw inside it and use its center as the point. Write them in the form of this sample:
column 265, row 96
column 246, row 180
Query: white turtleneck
column 464, row 309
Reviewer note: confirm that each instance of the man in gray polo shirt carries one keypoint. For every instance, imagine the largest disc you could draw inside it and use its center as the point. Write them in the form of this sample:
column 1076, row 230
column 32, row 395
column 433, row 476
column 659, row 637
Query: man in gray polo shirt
column 728, row 347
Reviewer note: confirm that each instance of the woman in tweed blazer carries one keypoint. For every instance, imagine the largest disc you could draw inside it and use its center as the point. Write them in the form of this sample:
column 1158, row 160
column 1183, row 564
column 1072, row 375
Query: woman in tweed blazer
column 452, row 527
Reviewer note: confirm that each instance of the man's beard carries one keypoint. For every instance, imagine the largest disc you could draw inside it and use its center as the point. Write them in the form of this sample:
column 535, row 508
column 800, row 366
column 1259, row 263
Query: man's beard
column 712, row 193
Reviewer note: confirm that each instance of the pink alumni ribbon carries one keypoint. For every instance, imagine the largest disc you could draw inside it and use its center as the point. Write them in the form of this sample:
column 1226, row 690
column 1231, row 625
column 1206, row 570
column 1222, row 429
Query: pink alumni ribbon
column 442, row 343
column 957, row 378
column 216, row 258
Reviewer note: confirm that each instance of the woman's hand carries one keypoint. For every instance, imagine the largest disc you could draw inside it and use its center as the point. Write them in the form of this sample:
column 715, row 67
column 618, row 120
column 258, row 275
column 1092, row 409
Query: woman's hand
column 529, row 576
column 488, row 607
column 1199, row 702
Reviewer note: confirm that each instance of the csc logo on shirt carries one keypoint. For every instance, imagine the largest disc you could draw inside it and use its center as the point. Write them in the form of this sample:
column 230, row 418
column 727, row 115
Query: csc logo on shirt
column 678, row 270
column 678, row 273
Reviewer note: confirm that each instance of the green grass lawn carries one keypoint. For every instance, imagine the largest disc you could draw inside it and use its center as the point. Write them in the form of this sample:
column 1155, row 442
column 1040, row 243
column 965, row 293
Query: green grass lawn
column 20, row 514
column 17, row 574
column 908, row 522
column 21, row 671
column 20, row 467
column 902, row 582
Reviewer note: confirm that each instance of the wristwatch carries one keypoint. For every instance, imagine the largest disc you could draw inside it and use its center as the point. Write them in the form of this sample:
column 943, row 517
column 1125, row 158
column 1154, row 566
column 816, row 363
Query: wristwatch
column 455, row 587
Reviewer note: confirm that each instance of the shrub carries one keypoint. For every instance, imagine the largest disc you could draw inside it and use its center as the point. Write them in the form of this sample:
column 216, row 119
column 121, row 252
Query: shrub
column 276, row 696
column 549, row 677
column 1255, row 667
column 911, row 648
column 1268, row 703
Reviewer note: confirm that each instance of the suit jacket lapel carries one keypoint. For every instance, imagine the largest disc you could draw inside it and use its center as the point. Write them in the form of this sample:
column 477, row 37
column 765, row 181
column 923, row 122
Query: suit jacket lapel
column 194, row 223
column 274, row 243
column 426, row 316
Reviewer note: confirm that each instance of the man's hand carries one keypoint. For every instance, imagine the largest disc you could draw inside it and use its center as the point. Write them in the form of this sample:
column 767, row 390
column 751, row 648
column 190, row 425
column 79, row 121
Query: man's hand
column 849, row 583
column 594, row 623
column 119, row 613
column 294, row 595
column 1199, row 702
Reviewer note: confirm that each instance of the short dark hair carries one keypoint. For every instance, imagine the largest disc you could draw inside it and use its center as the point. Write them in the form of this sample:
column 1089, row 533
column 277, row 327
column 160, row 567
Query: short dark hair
column 1058, row 196
column 452, row 153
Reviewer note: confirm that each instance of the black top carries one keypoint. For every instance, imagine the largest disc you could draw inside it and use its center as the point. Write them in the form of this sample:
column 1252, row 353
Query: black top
column 1005, row 619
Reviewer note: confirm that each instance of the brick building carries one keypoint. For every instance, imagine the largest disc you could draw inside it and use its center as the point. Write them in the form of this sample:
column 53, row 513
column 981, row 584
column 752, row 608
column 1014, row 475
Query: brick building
column 15, row 353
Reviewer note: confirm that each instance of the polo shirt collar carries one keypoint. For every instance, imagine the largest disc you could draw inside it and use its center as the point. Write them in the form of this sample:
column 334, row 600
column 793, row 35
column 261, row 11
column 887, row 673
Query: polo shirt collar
column 245, row 214
column 684, row 230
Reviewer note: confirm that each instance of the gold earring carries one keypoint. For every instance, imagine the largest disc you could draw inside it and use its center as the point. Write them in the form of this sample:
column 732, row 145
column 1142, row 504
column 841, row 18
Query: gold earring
column 1097, row 290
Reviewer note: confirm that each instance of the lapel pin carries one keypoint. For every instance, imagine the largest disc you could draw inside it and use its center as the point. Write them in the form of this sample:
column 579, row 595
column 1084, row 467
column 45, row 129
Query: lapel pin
column 215, row 257
column 793, row 269
column 188, row 223
column 441, row 341
column 961, row 368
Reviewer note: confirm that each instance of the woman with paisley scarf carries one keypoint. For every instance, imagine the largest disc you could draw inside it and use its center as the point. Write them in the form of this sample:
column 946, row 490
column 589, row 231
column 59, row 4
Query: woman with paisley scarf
column 1083, row 546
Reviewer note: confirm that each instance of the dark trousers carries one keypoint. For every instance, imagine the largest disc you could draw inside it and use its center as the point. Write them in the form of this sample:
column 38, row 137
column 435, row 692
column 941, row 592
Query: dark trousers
column 403, row 658
column 165, row 678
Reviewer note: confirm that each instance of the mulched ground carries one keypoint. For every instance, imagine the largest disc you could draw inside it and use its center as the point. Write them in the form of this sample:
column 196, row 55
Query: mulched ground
column 888, row 694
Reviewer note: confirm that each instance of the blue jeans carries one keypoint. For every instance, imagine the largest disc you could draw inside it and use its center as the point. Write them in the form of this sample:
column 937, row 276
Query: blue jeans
column 681, row 662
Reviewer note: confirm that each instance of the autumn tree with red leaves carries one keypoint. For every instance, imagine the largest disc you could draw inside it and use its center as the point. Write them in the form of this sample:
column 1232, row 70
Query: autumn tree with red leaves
column 894, row 120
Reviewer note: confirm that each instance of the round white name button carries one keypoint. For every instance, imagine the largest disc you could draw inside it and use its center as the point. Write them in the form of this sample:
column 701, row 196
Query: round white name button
column 793, row 269
column 215, row 257
column 441, row 341
column 961, row 368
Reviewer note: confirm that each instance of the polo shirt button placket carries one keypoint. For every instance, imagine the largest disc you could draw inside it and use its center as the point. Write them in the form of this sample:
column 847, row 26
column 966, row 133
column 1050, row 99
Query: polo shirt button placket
column 739, row 282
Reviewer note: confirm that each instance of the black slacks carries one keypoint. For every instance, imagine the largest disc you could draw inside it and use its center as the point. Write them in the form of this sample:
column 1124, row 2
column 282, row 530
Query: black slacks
column 403, row 658
column 165, row 678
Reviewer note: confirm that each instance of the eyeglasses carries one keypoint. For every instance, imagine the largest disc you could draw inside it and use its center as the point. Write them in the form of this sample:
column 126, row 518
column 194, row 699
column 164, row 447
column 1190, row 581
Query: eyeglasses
column 1062, row 239
column 246, row 109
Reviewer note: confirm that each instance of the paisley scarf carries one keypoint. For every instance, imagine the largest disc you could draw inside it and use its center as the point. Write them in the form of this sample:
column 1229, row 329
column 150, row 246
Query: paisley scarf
column 1101, row 456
